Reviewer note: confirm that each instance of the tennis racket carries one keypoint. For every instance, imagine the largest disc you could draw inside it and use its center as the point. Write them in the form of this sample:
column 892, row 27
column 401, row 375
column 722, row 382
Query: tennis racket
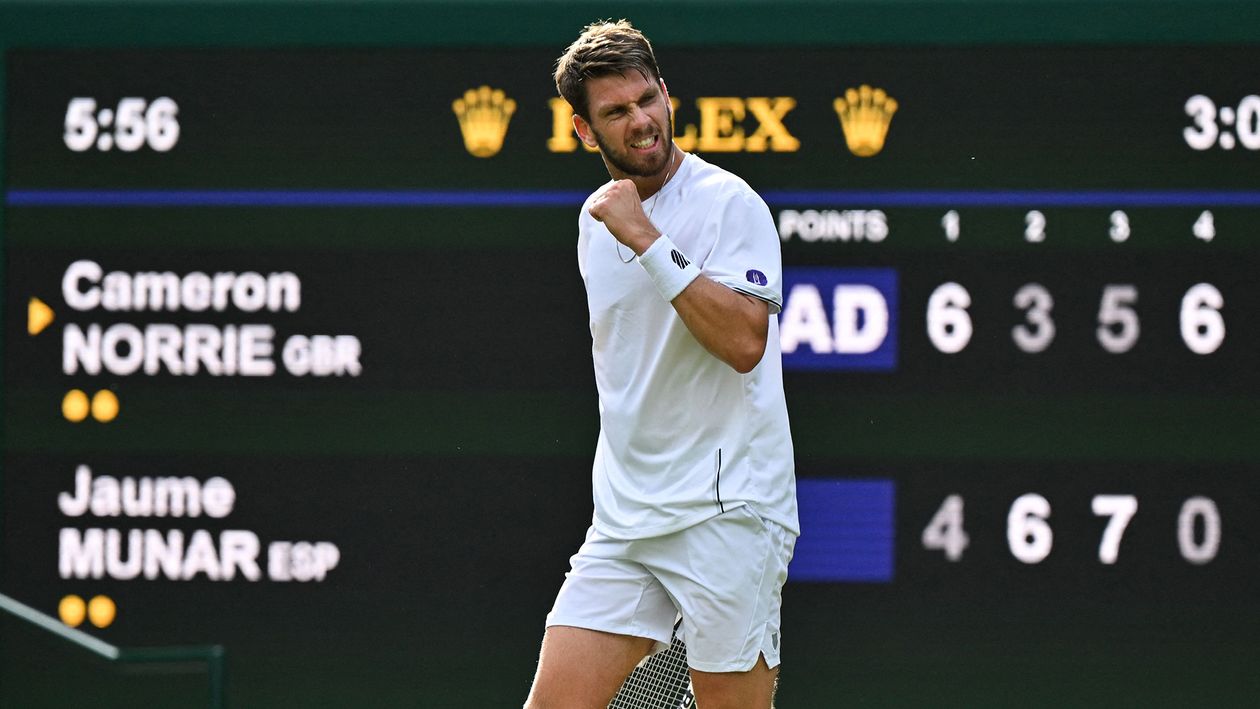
column 661, row 681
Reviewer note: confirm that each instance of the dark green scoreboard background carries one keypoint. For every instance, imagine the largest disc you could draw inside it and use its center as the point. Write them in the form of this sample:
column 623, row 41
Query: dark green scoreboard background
column 376, row 341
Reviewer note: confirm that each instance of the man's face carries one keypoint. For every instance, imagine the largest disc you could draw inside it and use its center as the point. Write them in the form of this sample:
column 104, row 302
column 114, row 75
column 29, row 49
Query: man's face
column 630, row 123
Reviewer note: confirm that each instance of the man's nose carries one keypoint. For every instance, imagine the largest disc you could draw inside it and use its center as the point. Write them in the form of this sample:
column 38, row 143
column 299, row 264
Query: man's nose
column 639, row 117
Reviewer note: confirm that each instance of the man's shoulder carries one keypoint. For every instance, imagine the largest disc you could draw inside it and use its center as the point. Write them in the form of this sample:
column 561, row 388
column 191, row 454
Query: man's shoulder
column 719, row 180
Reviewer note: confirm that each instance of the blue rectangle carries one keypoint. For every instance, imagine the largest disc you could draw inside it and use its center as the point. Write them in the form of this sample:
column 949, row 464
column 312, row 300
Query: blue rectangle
column 847, row 531
column 839, row 318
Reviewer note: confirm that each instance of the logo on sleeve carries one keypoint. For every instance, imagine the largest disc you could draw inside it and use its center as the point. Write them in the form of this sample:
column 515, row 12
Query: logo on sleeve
column 679, row 259
column 756, row 277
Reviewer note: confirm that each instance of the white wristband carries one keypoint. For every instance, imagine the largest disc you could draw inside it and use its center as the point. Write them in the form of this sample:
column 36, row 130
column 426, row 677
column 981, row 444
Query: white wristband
column 668, row 268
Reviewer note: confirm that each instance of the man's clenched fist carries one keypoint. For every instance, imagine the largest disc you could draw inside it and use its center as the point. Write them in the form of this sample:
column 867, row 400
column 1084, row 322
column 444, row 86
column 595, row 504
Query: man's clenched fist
column 617, row 205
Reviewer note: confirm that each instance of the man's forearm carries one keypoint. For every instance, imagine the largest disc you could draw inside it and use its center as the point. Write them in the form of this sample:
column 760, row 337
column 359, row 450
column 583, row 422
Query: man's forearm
column 731, row 326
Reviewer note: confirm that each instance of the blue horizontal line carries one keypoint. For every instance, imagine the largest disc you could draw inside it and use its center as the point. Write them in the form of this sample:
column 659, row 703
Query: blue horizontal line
column 295, row 198
column 574, row 198
column 1014, row 198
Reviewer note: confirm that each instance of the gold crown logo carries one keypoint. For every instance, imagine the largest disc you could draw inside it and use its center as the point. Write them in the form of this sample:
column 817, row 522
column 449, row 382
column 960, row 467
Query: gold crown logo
column 483, row 115
column 864, row 115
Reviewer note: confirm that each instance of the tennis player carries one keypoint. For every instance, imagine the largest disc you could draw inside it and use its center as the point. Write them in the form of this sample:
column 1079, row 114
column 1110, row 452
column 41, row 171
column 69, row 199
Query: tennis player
column 694, row 486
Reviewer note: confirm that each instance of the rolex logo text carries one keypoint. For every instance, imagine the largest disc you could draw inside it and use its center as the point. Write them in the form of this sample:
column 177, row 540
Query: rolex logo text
column 709, row 124
column 727, row 124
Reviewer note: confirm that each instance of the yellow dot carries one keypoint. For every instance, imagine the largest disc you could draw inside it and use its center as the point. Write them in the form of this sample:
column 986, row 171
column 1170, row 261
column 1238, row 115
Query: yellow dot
column 75, row 406
column 101, row 610
column 71, row 610
column 104, row 406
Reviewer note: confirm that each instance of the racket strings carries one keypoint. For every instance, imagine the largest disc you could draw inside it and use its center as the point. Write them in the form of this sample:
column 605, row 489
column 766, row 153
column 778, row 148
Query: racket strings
column 662, row 682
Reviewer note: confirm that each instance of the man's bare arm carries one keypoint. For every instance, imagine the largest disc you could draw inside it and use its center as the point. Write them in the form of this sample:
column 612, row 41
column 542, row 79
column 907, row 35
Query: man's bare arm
column 732, row 326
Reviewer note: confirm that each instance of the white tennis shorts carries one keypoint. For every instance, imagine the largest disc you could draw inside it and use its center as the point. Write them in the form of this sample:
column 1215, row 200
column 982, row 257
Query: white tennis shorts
column 724, row 576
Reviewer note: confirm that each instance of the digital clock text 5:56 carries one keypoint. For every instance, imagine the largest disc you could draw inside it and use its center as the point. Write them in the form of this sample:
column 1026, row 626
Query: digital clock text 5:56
column 130, row 126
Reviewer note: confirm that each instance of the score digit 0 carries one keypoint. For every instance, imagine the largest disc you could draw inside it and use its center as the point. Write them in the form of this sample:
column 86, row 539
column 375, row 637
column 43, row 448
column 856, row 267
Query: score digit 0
column 1030, row 537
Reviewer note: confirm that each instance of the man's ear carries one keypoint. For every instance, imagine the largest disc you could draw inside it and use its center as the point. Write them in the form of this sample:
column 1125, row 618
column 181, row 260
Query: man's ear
column 669, row 104
column 584, row 131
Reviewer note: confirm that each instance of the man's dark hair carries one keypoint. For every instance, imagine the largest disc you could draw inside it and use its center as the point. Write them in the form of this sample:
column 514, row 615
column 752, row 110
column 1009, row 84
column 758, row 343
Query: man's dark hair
column 603, row 48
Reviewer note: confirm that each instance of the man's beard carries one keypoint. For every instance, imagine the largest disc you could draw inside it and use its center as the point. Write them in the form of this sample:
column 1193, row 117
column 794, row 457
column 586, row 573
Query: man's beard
column 623, row 162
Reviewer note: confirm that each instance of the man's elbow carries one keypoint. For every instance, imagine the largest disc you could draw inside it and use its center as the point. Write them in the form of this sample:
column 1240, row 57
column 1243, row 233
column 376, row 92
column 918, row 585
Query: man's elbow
column 746, row 358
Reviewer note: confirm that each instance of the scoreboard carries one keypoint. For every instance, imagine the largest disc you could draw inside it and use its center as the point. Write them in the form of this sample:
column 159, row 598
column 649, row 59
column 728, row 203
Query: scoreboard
column 296, row 360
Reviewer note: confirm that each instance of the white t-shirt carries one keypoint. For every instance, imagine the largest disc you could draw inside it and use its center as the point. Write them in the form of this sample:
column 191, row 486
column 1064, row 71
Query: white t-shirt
column 683, row 436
